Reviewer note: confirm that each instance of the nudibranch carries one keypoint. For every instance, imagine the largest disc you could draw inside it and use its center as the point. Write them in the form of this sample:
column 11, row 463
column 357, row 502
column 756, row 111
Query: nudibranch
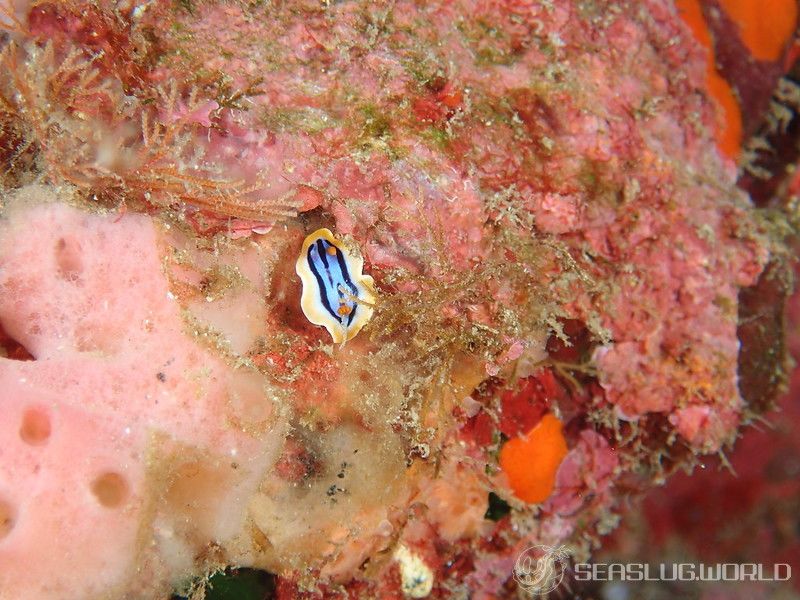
column 336, row 294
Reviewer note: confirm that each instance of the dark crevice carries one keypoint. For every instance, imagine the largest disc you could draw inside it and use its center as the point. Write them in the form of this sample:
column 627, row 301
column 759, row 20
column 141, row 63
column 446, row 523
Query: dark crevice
column 11, row 348
column 761, row 332
column 497, row 508
column 238, row 584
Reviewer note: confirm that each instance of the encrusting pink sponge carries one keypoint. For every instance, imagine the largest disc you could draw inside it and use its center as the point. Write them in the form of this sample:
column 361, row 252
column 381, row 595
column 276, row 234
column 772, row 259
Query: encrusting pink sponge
column 117, row 402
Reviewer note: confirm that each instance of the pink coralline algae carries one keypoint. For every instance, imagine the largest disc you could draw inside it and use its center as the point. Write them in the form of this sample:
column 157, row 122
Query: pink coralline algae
column 557, row 245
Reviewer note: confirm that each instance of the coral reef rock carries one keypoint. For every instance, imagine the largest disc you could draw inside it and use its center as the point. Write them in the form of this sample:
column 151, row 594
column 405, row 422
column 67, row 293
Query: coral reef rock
column 543, row 201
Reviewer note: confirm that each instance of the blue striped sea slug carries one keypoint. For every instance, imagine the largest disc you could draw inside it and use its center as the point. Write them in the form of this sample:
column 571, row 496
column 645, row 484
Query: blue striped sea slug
column 336, row 293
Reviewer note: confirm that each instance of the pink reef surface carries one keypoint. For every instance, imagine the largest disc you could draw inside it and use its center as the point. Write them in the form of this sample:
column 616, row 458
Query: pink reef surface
column 534, row 187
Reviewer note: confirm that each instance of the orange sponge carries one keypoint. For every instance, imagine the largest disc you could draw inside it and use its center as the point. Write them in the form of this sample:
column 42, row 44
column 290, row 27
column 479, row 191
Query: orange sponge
column 692, row 14
column 530, row 463
column 728, row 126
column 764, row 27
